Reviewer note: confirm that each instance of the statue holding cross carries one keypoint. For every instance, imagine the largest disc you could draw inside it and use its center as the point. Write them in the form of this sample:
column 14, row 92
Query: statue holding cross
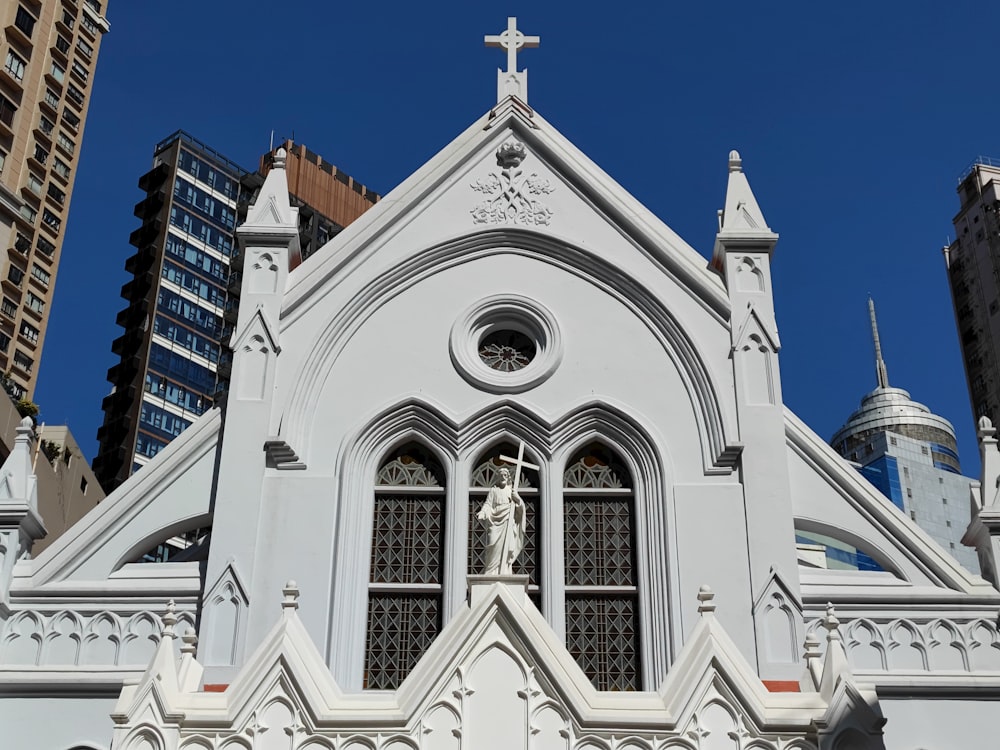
column 503, row 513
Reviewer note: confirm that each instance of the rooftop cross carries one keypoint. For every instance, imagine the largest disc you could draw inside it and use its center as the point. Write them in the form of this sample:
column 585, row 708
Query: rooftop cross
column 512, row 81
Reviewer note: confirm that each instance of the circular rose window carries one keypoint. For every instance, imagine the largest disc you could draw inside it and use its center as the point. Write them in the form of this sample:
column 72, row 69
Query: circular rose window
column 507, row 351
column 505, row 344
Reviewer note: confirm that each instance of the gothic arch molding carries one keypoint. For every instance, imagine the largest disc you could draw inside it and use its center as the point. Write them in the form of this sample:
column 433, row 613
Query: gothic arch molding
column 716, row 430
column 457, row 444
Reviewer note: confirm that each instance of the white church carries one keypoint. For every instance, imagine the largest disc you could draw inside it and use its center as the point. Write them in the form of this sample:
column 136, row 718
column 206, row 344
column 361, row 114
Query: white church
column 506, row 466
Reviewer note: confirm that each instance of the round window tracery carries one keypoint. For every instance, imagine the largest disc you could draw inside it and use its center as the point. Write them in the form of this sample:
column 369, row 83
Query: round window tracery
column 506, row 344
column 507, row 351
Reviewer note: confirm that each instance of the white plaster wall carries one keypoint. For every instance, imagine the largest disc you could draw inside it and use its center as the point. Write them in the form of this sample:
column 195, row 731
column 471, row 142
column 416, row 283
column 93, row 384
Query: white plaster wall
column 56, row 723
column 939, row 724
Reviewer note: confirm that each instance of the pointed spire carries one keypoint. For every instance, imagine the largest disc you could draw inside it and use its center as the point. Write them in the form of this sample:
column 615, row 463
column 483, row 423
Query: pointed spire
column 835, row 664
column 742, row 213
column 880, row 371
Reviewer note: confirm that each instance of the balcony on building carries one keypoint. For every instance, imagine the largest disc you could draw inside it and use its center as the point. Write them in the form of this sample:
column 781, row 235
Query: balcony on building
column 138, row 287
column 128, row 342
column 146, row 234
column 133, row 315
column 125, row 370
column 142, row 260
column 150, row 205
column 23, row 28
column 154, row 177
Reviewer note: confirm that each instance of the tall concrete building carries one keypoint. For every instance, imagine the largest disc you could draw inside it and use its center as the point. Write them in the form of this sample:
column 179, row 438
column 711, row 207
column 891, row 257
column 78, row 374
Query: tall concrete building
column 173, row 364
column 911, row 455
column 50, row 51
column 973, row 262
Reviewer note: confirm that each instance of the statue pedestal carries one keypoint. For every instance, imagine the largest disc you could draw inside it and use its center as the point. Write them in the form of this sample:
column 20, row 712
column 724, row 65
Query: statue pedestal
column 479, row 586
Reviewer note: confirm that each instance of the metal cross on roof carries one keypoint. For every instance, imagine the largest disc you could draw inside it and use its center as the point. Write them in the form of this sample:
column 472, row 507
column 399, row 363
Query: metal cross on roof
column 512, row 81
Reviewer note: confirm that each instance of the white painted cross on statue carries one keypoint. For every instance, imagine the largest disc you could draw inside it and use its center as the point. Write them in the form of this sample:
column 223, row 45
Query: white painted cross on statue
column 512, row 81
column 519, row 463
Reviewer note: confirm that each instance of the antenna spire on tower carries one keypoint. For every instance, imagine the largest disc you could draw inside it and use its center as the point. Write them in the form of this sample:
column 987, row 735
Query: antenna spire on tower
column 880, row 372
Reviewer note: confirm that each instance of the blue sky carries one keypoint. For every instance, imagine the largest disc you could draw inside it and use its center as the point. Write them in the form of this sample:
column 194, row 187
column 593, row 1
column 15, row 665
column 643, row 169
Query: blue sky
column 854, row 122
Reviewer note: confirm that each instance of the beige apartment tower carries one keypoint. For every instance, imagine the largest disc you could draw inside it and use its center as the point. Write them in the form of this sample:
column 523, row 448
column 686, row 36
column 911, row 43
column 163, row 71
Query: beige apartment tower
column 973, row 261
column 50, row 54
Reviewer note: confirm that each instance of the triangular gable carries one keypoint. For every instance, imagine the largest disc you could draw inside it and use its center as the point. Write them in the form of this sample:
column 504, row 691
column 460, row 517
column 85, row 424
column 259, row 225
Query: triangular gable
column 634, row 220
column 171, row 493
column 257, row 325
column 842, row 493
column 753, row 323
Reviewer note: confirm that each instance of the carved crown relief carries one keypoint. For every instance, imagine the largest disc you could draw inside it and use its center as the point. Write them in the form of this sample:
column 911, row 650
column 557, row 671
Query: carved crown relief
column 510, row 196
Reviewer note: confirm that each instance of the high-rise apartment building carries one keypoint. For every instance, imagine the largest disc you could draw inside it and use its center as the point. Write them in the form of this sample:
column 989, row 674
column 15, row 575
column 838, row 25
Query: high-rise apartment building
column 973, row 261
column 184, row 292
column 911, row 455
column 50, row 52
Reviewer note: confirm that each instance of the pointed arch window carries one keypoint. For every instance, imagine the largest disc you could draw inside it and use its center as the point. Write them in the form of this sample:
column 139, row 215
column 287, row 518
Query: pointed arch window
column 485, row 475
column 602, row 603
column 406, row 573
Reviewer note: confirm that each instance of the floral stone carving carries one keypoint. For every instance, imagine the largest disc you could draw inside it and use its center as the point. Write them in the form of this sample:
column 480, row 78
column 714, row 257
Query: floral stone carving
column 511, row 197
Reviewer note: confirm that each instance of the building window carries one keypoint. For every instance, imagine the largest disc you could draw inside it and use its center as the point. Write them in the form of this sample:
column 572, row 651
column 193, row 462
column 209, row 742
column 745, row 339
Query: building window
column 60, row 168
column 71, row 120
column 68, row 19
column 35, row 303
column 41, row 155
column 8, row 308
column 14, row 66
column 81, row 72
column 23, row 361
column 944, row 501
column 948, row 524
column 56, row 194
column 923, row 449
column 29, row 332
column 57, row 72
column 7, row 111
column 35, row 183
column 15, row 275
column 3, row 160
column 22, row 244
column 83, row 485
column 46, row 125
column 45, row 247
column 913, row 515
column 75, row 95
column 4, row 342
column 51, row 98
column 89, row 26
column 85, row 48
column 24, row 21
column 404, row 596
column 40, row 273
column 602, row 613
column 28, row 213
column 62, row 44
column 51, row 219
column 892, row 441
column 68, row 145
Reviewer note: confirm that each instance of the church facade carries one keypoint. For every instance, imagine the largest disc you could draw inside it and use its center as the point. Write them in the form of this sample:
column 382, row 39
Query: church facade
column 507, row 314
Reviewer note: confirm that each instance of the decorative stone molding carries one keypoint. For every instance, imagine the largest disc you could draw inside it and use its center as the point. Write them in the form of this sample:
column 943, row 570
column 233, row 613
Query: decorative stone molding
column 497, row 677
column 901, row 644
column 510, row 196
column 506, row 312
column 30, row 638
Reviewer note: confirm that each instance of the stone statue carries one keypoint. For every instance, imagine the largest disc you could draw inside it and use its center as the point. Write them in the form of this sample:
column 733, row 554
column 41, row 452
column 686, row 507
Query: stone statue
column 503, row 513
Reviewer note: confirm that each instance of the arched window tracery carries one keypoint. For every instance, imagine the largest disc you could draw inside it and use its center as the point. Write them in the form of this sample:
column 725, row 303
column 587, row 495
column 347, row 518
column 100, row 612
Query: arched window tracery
column 406, row 572
column 601, row 581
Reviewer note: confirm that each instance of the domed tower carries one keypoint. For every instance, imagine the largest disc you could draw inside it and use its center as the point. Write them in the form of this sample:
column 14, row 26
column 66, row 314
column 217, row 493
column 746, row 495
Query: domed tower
column 911, row 455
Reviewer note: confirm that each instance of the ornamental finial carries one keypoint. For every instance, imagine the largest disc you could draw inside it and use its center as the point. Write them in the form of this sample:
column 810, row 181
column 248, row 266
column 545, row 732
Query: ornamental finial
column 512, row 82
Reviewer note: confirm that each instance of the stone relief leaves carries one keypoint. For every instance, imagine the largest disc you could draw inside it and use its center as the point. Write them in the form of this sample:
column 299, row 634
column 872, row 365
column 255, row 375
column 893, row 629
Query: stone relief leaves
column 510, row 194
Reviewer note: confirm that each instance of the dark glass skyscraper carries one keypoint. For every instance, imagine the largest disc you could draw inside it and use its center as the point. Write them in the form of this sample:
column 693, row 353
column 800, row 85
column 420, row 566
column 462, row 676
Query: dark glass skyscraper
column 185, row 288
